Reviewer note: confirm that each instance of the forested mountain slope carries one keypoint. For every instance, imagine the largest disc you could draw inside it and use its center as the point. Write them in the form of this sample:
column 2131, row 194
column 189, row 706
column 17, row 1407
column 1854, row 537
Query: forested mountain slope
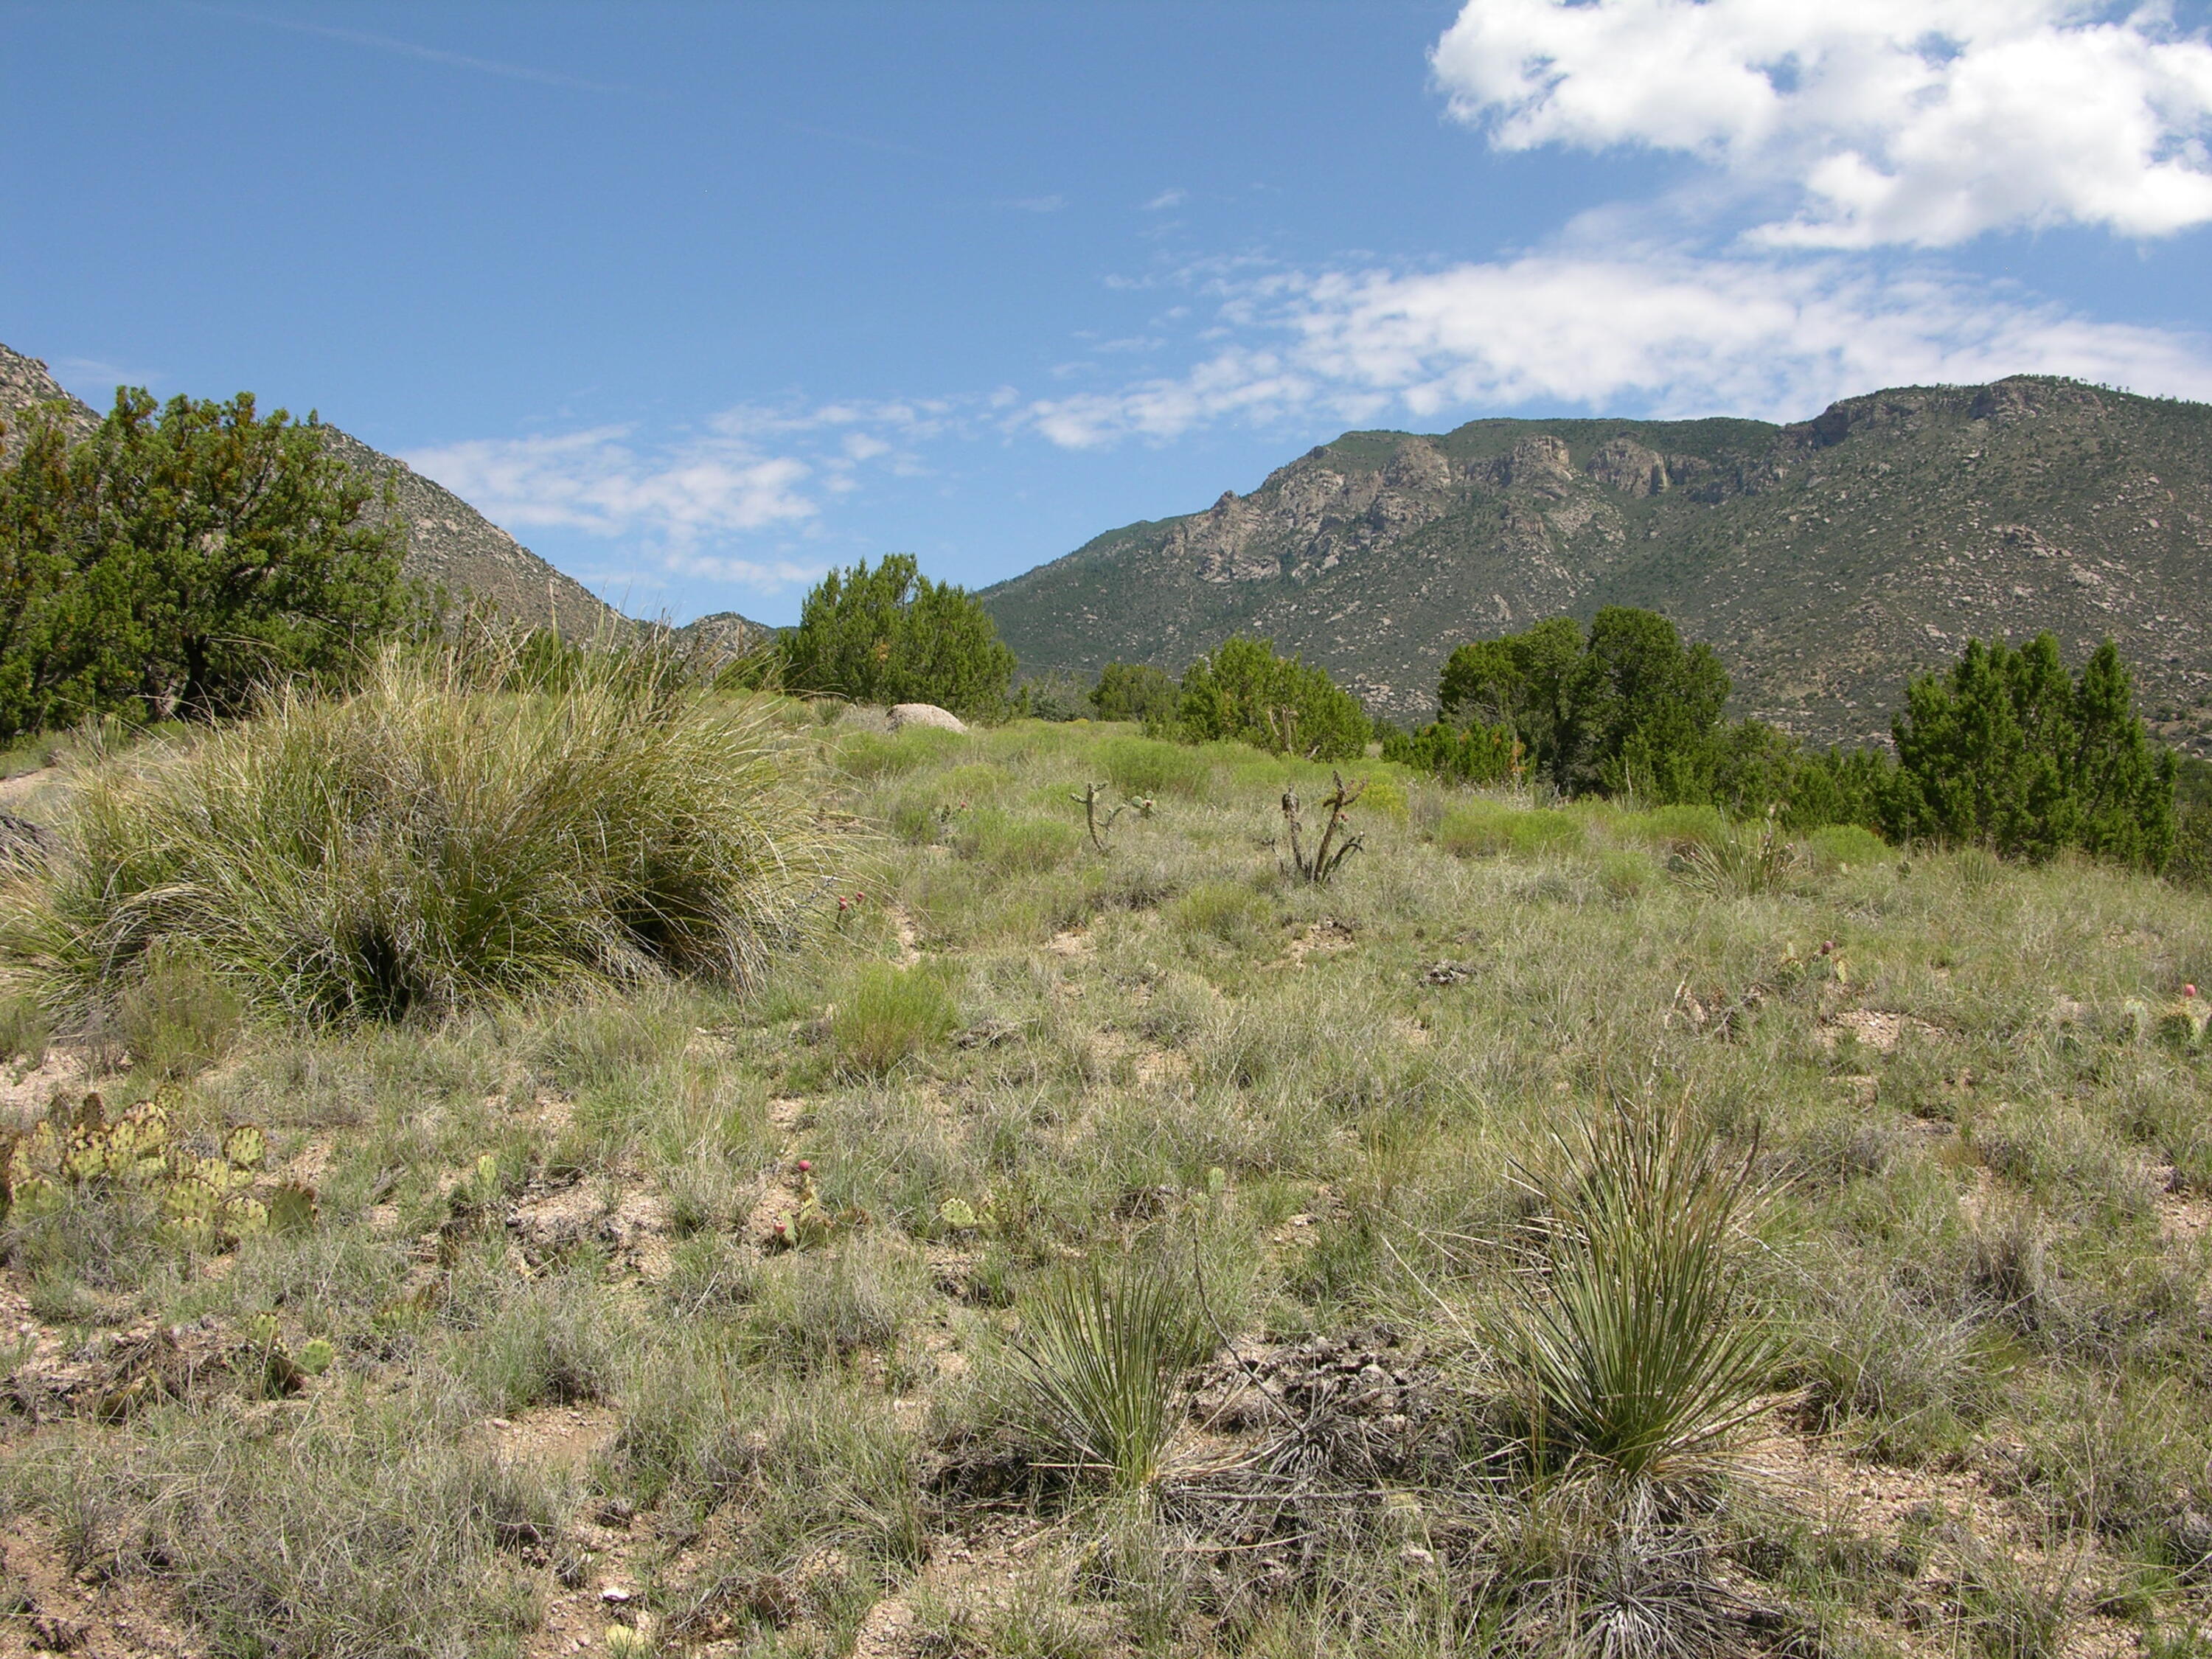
column 1826, row 561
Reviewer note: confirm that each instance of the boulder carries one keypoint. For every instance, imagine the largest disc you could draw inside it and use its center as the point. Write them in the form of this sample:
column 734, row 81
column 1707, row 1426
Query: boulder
column 904, row 714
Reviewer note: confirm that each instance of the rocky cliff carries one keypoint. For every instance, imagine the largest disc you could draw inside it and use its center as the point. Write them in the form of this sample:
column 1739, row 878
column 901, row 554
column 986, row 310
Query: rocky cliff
column 1827, row 561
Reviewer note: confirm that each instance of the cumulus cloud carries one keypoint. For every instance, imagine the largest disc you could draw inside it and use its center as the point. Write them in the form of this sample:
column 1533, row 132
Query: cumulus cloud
column 597, row 481
column 749, row 471
column 1920, row 122
column 1662, row 333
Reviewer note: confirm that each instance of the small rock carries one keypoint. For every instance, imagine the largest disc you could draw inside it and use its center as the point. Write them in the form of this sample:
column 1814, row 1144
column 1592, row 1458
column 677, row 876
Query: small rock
column 1446, row 973
column 614, row 1593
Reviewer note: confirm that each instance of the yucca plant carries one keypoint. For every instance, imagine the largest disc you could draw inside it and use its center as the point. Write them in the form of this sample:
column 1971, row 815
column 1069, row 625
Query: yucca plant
column 431, row 840
column 1631, row 1341
column 1098, row 1357
column 1740, row 863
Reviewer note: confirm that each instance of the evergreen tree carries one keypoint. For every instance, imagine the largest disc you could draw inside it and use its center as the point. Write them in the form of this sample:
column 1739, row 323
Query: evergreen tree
column 1135, row 691
column 180, row 556
column 890, row 635
column 1642, row 709
column 1244, row 691
column 2006, row 752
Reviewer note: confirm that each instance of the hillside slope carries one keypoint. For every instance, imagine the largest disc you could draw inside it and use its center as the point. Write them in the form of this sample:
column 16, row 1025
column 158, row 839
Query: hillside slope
column 449, row 543
column 1826, row 560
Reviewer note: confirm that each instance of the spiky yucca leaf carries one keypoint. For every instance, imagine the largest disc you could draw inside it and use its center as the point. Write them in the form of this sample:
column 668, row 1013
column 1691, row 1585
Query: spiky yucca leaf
column 1099, row 1358
column 1633, row 1343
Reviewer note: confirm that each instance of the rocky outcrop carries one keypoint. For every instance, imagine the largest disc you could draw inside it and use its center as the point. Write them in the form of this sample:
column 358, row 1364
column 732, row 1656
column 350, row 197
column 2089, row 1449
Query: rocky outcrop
column 26, row 390
column 903, row 714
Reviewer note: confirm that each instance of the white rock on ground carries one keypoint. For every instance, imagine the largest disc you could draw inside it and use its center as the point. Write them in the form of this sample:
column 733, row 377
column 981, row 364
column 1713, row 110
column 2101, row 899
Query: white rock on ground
column 924, row 714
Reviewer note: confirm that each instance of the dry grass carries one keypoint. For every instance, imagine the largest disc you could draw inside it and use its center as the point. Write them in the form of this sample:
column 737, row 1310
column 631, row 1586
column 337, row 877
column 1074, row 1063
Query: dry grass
column 433, row 840
column 564, row 1322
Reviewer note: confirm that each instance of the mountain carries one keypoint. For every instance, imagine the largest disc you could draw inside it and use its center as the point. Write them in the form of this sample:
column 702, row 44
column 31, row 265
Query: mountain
column 449, row 543
column 1826, row 561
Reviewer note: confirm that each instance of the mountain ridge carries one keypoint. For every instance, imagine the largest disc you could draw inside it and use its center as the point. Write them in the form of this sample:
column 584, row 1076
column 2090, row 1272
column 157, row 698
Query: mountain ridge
column 1826, row 560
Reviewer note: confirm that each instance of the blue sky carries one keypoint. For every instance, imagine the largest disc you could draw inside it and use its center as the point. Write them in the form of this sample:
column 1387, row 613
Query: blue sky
column 698, row 300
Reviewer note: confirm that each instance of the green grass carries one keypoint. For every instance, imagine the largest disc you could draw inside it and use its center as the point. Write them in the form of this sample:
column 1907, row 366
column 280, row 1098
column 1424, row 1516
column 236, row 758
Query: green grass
column 1482, row 828
column 1124, row 1103
column 888, row 1014
column 430, row 842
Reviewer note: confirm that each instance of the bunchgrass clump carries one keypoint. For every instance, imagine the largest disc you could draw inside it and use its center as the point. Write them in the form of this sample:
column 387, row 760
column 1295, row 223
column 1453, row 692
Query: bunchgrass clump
column 431, row 840
column 888, row 1013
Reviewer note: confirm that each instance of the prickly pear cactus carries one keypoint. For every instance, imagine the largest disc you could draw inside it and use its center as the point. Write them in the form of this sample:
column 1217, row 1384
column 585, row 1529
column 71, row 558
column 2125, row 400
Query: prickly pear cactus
column 206, row 1202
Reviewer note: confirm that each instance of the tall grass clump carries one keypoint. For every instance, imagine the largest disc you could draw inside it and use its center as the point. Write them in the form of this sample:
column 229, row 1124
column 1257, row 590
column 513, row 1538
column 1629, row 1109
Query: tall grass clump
column 1632, row 1343
column 1483, row 828
column 888, row 1013
column 1098, row 1357
column 431, row 840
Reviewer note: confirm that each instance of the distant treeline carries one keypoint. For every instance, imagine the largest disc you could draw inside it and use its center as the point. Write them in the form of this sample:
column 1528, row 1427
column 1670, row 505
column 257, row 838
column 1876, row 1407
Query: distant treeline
column 2006, row 749
column 186, row 554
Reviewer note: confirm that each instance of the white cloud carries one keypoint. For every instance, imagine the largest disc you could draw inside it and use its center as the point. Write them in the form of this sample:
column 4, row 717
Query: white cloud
column 1921, row 122
column 1167, row 199
column 767, row 576
column 1033, row 203
column 752, row 471
column 1661, row 333
column 596, row 482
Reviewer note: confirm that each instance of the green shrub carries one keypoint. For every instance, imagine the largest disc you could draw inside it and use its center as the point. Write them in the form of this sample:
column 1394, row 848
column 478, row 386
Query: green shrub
column 888, row 1013
column 429, row 844
column 891, row 636
column 2191, row 862
column 1836, row 845
column 181, row 557
column 1233, row 915
column 1243, row 691
column 1135, row 691
column 177, row 1018
column 1014, row 844
column 1146, row 765
column 1483, row 827
column 876, row 754
column 1677, row 828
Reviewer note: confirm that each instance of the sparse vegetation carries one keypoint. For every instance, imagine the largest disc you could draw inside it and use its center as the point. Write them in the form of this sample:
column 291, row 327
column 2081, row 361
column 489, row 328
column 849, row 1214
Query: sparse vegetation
column 1160, row 1252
